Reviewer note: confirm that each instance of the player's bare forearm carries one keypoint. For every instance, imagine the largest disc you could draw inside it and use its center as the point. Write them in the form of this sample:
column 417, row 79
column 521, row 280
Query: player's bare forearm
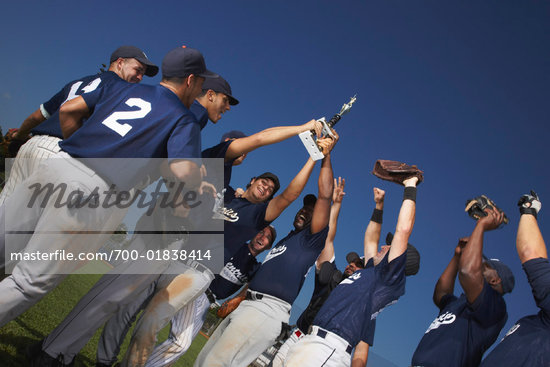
column 291, row 193
column 446, row 282
column 529, row 242
column 265, row 137
column 470, row 271
column 328, row 251
column 360, row 355
column 372, row 237
column 403, row 229
column 321, row 212
column 372, row 233
column 32, row 121
column 71, row 115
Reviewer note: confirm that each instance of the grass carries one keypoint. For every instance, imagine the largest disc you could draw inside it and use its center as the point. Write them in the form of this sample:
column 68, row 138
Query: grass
column 38, row 321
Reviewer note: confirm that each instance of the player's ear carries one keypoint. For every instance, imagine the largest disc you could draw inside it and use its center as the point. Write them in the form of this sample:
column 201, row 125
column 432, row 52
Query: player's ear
column 210, row 94
column 190, row 80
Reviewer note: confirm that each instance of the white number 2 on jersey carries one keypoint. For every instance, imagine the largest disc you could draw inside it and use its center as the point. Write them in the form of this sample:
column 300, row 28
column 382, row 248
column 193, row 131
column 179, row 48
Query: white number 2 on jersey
column 122, row 129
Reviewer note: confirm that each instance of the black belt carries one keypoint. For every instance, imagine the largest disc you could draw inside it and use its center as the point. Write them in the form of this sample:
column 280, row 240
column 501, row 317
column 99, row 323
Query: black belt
column 253, row 296
column 323, row 334
column 210, row 295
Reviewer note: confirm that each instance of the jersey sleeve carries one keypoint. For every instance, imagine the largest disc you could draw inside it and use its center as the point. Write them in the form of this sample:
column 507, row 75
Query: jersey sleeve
column 390, row 282
column 185, row 140
column 217, row 151
column 49, row 107
column 446, row 300
column 489, row 307
column 538, row 275
column 318, row 239
column 367, row 332
column 325, row 272
column 92, row 98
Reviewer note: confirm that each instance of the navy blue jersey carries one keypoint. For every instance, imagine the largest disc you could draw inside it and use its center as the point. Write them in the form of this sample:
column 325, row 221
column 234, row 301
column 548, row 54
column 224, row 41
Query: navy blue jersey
column 355, row 303
column 238, row 271
column 462, row 332
column 50, row 109
column 321, row 291
column 133, row 121
column 200, row 113
column 285, row 267
column 527, row 343
column 242, row 221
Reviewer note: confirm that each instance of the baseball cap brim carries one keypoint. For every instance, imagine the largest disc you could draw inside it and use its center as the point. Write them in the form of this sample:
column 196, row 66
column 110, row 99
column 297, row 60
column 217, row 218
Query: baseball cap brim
column 150, row 68
column 208, row 74
column 232, row 100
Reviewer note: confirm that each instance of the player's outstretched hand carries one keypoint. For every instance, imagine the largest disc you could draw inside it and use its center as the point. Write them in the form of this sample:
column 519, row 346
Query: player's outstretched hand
column 492, row 220
column 327, row 143
column 314, row 125
column 379, row 195
column 338, row 191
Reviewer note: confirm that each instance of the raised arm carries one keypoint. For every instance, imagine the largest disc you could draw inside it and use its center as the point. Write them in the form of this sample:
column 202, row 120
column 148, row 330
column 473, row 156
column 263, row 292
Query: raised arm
column 470, row 268
column 269, row 136
column 529, row 242
column 321, row 211
column 337, row 196
column 446, row 282
column 372, row 233
column 296, row 186
column 291, row 193
column 405, row 221
column 71, row 115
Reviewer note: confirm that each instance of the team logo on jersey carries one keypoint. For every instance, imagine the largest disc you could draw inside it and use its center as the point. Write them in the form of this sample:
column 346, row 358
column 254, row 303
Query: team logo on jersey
column 229, row 215
column 511, row 331
column 352, row 278
column 275, row 251
column 233, row 274
column 446, row 318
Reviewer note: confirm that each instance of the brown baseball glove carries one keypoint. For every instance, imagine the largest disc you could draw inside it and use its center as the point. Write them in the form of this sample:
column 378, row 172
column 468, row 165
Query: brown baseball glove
column 229, row 306
column 476, row 207
column 395, row 171
column 9, row 145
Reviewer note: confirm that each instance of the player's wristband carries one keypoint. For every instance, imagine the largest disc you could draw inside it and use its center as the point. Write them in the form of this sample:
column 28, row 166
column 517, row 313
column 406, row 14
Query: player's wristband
column 531, row 211
column 410, row 193
column 377, row 215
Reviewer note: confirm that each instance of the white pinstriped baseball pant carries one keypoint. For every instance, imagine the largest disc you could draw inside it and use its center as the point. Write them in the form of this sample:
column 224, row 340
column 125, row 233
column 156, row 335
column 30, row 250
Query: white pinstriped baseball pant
column 181, row 291
column 245, row 333
column 314, row 351
column 29, row 157
column 186, row 324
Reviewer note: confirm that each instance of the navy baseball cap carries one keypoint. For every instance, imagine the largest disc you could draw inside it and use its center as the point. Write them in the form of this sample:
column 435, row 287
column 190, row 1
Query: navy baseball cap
column 353, row 257
column 220, row 85
column 132, row 52
column 505, row 274
column 412, row 262
column 273, row 178
column 183, row 61
column 273, row 234
column 233, row 134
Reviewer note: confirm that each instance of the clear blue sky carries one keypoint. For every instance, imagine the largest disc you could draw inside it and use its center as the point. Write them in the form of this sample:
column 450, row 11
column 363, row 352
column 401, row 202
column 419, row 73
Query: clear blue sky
column 459, row 88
